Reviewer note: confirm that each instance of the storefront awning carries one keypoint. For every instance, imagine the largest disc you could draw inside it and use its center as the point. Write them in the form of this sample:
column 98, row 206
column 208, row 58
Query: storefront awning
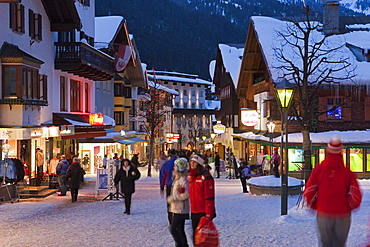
column 130, row 141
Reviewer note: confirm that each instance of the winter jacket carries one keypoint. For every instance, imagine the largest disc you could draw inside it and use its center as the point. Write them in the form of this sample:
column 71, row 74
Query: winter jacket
column 127, row 179
column 75, row 176
column 165, row 174
column 332, row 188
column 62, row 167
column 179, row 198
column 202, row 193
column 39, row 158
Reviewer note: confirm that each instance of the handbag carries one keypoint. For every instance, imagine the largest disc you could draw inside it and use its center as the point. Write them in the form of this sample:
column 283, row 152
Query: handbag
column 206, row 233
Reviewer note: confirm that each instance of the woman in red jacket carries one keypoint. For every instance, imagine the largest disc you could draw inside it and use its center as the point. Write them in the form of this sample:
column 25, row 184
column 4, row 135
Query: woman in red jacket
column 201, row 191
column 333, row 191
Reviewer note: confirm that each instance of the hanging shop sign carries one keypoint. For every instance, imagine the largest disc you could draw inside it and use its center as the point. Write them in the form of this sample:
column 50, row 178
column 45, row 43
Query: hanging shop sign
column 96, row 118
column 219, row 128
column 249, row 117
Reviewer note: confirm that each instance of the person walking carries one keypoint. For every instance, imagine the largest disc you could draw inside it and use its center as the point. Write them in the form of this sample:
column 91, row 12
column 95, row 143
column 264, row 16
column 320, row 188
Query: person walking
column 333, row 191
column 244, row 173
column 165, row 178
column 201, row 192
column 275, row 161
column 217, row 164
column 127, row 175
column 179, row 201
column 75, row 177
column 105, row 161
column 61, row 171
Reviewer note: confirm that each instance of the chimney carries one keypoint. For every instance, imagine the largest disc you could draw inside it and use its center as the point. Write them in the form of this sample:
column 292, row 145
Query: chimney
column 330, row 16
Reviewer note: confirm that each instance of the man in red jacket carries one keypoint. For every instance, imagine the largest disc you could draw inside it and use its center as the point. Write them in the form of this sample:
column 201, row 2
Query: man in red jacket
column 333, row 191
column 201, row 191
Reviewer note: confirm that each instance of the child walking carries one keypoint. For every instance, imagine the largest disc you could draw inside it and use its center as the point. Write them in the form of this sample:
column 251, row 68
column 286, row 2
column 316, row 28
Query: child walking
column 179, row 202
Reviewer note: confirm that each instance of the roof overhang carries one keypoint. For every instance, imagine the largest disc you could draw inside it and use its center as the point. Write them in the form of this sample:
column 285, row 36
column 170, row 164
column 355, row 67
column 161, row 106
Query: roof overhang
column 62, row 14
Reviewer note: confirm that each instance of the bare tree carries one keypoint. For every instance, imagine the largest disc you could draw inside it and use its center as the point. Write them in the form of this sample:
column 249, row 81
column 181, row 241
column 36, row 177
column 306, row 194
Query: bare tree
column 154, row 112
column 310, row 59
column 195, row 128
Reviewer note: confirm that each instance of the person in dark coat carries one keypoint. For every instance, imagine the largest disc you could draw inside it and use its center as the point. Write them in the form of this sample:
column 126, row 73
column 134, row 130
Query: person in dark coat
column 61, row 171
column 75, row 176
column 127, row 175
column 217, row 164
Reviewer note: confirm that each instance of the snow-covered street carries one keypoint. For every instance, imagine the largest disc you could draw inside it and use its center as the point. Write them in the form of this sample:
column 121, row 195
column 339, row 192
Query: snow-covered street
column 242, row 220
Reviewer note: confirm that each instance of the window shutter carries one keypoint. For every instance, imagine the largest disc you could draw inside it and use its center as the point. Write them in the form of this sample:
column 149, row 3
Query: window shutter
column 31, row 21
column 39, row 34
column 12, row 16
column 22, row 25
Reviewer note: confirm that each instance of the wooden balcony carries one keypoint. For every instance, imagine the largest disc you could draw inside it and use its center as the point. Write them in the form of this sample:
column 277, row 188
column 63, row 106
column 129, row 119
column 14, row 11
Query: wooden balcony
column 83, row 60
column 17, row 101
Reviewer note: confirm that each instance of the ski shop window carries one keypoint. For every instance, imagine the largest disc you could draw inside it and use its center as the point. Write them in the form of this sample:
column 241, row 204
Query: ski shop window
column 16, row 15
column 334, row 108
column 75, row 95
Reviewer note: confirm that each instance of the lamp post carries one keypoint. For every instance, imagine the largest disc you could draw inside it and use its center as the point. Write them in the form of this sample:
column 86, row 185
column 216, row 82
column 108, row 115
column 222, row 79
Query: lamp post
column 270, row 127
column 284, row 92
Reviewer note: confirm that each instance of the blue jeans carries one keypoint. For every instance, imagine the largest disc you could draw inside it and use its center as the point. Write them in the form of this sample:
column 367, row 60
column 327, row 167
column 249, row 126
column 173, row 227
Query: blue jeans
column 63, row 184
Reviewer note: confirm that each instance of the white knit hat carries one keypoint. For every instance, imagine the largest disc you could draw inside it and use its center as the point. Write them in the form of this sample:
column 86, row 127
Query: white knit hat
column 198, row 159
column 335, row 145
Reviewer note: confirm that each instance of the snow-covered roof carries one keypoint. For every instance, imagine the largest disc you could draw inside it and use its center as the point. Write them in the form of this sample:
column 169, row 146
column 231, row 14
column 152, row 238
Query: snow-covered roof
column 105, row 29
column 347, row 137
column 177, row 77
column 160, row 87
column 232, row 59
column 266, row 28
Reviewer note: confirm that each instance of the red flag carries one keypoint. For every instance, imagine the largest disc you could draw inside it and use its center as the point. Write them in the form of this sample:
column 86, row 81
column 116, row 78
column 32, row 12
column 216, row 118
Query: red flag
column 123, row 57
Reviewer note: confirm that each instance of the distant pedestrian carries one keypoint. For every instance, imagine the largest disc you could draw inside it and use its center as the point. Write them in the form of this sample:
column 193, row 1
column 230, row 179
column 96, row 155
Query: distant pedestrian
column 217, row 164
column 201, row 192
column 61, row 171
column 244, row 173
column 39, row 158
column 275, row 161
column 179, row 201
column 161, row 160
column 105, row 161
column 135, row 160
column 333, row 191
column 127, row 175
column 75, row 177
column 165, row 178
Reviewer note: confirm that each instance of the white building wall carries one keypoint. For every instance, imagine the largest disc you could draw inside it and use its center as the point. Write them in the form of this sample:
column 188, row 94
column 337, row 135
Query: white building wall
column 42, row 50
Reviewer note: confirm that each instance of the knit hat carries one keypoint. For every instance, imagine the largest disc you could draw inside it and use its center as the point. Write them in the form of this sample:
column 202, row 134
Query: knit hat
column 181, row 164
column 197, row 159
column 335, row 145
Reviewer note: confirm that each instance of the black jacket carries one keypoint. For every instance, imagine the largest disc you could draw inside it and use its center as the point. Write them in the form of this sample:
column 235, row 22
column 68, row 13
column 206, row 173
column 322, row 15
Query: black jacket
column 75, row 176
column 127, row 181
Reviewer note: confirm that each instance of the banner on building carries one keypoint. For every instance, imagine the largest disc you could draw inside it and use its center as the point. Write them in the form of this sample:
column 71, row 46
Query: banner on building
column 123, row 57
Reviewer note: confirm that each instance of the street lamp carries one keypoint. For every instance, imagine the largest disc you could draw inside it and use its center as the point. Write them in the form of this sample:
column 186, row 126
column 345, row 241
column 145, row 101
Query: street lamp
column 270, row 127
column 284, row 92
